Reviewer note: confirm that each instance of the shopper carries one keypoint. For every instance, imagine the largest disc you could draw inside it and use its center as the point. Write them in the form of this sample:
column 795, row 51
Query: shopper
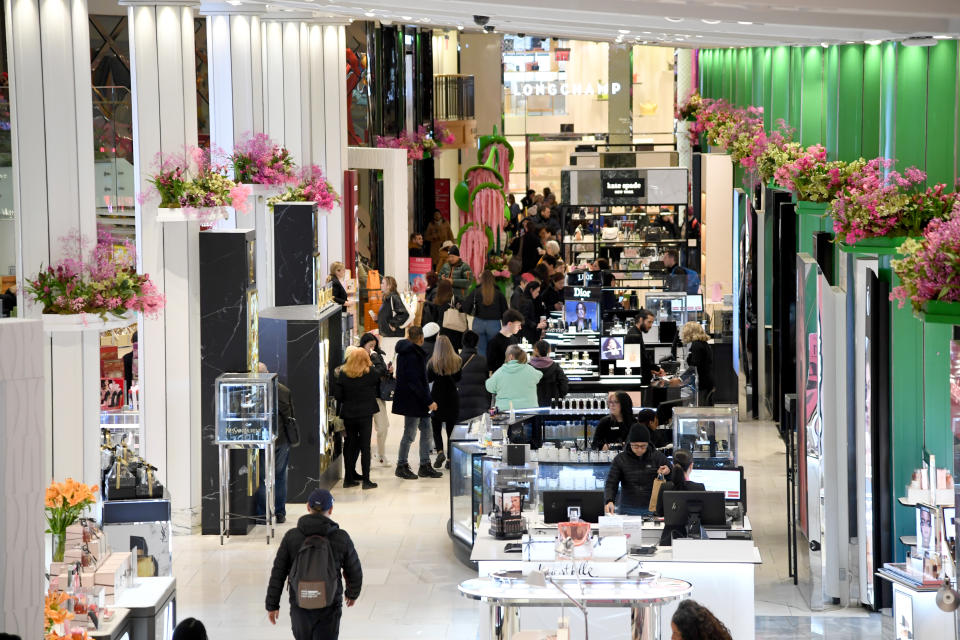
column 546, row 220
column 527, row 200
column 515, row 383
column 288, row 435
column 522, row 281
column 457, row 272
column 533, row 321
column 553, row 249
column 554, row 384
column 679, row 278
column 338, row 272
column 190, row 629
column 443, row 372
column 430, row 332
column 526, row 246
column 552, row 295
column 679, row 481
column 487, row 305
column 356, row 386
column 700, row 355
column 510, row 324
column 693, row 621
column 438, row 232
column 415, row 246
column 642, row 324
column 474, row 397
column 392, row 316
column 323, row 533
column 632, row 474
column 613, row 429
column 412, row 401
column 8, row 301
column 436, row 311
column 384, row 369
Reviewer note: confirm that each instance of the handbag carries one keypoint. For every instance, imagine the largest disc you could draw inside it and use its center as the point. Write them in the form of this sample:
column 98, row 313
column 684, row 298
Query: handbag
column 388, row 385
column 292, row 430
column 655, row 493
column 454, row 320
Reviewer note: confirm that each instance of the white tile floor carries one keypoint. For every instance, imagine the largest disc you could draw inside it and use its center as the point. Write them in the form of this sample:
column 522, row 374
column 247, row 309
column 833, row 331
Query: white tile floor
column 410, row 572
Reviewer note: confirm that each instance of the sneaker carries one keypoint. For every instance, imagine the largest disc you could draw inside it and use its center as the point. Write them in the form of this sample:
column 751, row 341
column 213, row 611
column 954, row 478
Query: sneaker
column 441, row 458
column 367, row 484
column 281, row 518
column 426, row 471
column 447, row 465
column 404, row 471
column 348, row 484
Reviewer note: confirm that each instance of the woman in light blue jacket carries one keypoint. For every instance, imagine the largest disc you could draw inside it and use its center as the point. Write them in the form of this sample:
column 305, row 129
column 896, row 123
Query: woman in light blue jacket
column 515, row 382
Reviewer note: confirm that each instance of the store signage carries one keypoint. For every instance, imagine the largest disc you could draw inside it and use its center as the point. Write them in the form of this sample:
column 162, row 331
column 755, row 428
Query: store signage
column 564, row 88
column 620, row 187
column 581, row 293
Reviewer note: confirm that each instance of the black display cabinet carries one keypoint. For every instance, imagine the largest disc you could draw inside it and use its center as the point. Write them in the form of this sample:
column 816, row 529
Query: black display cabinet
column 295, row 251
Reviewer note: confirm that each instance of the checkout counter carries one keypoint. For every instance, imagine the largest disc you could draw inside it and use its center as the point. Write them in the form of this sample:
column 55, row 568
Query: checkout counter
column 719, row 569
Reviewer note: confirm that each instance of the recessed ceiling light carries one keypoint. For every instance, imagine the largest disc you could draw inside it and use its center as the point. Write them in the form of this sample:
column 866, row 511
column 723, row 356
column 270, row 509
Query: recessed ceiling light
column 459, row 27
column 705, row 21
column 669, row 19
column 873, row 42
column 406, row 18
column 850, row 42
column 646, row 33
column 369, row 14
column 943, row 37
column 824, row 45
column 623, row 31
column 235, row 3
column 744, row 22
column 698, row 36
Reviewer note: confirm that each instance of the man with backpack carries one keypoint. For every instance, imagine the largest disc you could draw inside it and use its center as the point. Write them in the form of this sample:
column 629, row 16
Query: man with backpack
column 313, row 555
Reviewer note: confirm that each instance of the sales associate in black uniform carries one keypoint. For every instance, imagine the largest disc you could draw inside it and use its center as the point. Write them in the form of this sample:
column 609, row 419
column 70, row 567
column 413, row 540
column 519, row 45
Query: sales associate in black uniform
column 338, row 272
column 632, row 474
column 643, row 322
column 614, row 428
column 700, row 355
column 679, row 481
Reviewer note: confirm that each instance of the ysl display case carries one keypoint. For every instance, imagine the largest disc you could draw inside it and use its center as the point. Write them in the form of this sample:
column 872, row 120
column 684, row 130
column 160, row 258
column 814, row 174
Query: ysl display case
column 710, row 433
column 466, row 492
column 247, row 421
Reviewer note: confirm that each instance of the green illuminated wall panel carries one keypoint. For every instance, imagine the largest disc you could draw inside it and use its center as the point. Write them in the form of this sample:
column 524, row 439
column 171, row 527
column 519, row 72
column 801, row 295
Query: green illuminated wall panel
column 872, row 57
column 909, row 130
column 849, row 101
column 941, row 161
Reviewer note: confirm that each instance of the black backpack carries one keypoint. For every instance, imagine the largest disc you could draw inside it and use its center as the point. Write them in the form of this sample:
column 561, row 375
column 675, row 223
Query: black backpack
column 314, row 576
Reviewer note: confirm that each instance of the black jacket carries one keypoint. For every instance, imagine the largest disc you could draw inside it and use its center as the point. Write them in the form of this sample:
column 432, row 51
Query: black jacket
column 610, row 432
column 392, row 314
column 633, row 477
column 315, row 524
column 444, row 392
column 528, row 308
column 493, row 311
column 701, row 357
column 412, row 396
column 497, row 350
column 474, row 397
column 550, row 297
column 285, row 412
column 339, row 293
column 553, row 384
column 357, row 397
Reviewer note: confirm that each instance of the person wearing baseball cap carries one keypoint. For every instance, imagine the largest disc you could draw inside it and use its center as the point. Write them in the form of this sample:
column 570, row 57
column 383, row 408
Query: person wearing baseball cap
column 457, row 272
column 308, row 624
column 632, row 474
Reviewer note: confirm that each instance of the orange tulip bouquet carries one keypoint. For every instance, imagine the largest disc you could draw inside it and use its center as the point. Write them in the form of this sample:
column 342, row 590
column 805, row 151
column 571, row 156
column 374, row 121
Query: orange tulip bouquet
column 56, row 612
column 64, row 503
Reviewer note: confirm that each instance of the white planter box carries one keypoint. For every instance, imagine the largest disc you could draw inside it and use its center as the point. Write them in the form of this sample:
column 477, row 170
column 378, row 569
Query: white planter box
column 265, row 190
column 56, row 323
column 204, row 214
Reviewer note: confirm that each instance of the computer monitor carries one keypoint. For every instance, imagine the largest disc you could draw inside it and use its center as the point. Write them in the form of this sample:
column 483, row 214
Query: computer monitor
column 694, row 302
column 708, row 506
column 557, row 503
column 730, row 481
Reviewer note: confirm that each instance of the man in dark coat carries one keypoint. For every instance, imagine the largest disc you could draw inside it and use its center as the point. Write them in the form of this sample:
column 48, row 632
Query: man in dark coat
column 474, row 397
column 412, row 401
column 314, row 624
column 642, row 324
column 287, row 421
column 632, row 474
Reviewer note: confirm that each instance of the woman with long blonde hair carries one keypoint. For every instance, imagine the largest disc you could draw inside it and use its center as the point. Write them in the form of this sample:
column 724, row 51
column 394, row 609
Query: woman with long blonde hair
column 392, row 315
column 487, row 305
column 700, row 356
column 356, row 385
column 338, row 272
column 443, row 370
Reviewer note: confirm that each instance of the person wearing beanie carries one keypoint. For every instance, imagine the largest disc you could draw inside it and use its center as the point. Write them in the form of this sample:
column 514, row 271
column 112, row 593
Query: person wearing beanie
column 458, row 272
column 632, row 474
column 430, row 332
column 325, row 622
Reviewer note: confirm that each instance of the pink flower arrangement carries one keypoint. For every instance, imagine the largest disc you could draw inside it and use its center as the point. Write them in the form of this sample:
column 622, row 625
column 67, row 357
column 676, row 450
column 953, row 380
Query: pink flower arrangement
column 261, row 161
column 101, row 280
column 812, row 177
column 193, row 181
column 311, row 186
column 420, row 145
column 930, row 267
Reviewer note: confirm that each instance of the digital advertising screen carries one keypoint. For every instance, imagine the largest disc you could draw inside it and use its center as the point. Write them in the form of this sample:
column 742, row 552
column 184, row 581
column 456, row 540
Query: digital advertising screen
column 581, row 315
column 612, row 348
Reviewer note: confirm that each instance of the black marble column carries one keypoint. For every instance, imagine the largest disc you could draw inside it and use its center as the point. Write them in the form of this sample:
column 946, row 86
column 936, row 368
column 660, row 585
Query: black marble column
column 294, row 253
column 302, row 344
column 228, row 312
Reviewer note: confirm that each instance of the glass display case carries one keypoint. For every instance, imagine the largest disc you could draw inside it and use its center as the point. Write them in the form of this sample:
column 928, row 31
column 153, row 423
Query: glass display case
column 497, row 475
column 667, row 306
column 586, row 475
column 466, row 489
column 710, row 433
column 246, row 408
column 121, row 427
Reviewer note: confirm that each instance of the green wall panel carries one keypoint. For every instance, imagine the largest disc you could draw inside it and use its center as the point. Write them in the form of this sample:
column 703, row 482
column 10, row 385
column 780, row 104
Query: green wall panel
column 795, row 79
column 849, row 101
column 812, row 108
column 909, row 129
column 761, row 82
column 888, row 100
column 830, row 100
column 942, row 113
column 780, row 84
column 872, row 67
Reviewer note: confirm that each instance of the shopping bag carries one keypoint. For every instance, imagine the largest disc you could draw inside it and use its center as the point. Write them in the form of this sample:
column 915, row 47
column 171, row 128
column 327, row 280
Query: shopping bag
column 655, row 493
column 454, row 320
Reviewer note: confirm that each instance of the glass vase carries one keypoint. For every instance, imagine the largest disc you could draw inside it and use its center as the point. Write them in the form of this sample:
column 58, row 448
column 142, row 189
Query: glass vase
column 59, row 546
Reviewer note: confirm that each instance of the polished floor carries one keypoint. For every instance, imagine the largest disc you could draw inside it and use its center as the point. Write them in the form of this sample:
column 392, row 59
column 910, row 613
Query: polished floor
column 411, row 574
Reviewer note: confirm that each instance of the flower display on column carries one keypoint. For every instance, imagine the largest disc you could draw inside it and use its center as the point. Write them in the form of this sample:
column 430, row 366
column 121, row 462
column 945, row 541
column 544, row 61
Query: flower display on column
column 420, row 145
column 311, row 186
column 101, row 279
column 195, row 182
column 259, row 160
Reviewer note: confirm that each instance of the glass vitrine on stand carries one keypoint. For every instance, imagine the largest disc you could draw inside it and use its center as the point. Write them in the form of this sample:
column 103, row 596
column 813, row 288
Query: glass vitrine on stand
column 247, row 421
column 710, row 433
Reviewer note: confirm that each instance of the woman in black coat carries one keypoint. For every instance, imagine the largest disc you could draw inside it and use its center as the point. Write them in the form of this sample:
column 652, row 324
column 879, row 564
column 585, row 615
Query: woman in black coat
column 443, row 370
column 356, row 385
column 337, row 272
column 434, row 311
column 474, row 397
column 613, row 429
column 700, row 355
column 528, row 307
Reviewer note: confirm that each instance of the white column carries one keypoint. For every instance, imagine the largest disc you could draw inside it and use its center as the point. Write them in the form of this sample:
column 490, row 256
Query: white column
column 328, row 109
column 164, row 122
column 53, row 178
column 286, row 96
column 23, row 444
column 684, row 71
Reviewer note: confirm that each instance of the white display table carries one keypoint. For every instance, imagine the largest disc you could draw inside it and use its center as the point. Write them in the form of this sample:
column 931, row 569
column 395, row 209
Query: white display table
column 152, row 604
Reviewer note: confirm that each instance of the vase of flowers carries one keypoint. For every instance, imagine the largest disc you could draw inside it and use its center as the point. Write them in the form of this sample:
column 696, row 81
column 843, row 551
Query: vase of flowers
column 191, row 186
column 311, row 186
column 64, row 503
column 101, row 280
column 929, row 271
column 259, row 160
column 56, row 613
column 420, row 145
